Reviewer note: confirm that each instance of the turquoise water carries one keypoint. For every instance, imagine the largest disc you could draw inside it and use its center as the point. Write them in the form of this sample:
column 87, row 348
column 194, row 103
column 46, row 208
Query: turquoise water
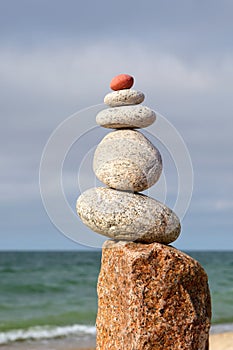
column 219, row 267
column 53, row 294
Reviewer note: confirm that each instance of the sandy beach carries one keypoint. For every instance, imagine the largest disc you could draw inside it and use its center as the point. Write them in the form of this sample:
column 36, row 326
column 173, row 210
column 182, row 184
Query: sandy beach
column 221, row 341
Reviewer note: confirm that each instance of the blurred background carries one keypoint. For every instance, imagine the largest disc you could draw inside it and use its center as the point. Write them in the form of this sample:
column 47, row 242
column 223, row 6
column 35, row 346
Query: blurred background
column 58, row 57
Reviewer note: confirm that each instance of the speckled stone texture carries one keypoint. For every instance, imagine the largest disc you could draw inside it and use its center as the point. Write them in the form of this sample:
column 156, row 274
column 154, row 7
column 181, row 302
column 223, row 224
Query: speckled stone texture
column 127, row 216
column 127, row 160
column 124, row 98
column 151, row 297
column 126, row 117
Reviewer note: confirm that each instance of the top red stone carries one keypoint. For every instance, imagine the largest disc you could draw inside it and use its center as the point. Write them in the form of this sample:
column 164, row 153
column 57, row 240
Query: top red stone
column 121, row 82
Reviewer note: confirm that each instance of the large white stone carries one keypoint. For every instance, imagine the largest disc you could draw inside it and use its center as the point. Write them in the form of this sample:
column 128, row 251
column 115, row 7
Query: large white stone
column 126, row 160
column 127, row 216
column 124, row 97
column 126, row 117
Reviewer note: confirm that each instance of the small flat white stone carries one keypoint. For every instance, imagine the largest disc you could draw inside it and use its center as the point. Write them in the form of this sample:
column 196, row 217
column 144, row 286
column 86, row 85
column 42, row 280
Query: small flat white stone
column 126, row 117
column 126, row 160
column 124, row 97
column 127, row 216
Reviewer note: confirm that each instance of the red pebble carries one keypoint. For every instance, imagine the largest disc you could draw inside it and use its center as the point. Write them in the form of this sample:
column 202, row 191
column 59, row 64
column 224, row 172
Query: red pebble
column 122, row 81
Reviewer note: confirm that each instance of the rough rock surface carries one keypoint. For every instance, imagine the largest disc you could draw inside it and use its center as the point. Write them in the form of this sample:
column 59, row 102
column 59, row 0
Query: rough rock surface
column 124, row 98
column 127, row 216
column 127, row 160
column 126, row 117
column 151, row 297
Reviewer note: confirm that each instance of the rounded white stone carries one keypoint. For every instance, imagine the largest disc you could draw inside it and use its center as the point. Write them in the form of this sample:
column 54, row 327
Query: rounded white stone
column 127, row 216
column 124, row 97
column 126, row 160
column 126, row 117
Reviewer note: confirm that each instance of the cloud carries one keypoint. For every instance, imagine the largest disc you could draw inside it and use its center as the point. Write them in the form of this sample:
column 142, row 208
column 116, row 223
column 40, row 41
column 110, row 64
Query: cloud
column 36, row 80
column 189, row 27
column 57, row 58
column 42, row 86
column 222, row 205
column 213, row 205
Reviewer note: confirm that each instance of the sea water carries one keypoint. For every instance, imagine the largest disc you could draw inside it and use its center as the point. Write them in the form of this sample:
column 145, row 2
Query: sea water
column 46, row 295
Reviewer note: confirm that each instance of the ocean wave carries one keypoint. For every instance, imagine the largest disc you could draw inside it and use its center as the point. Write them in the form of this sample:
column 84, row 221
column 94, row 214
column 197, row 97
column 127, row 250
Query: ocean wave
column 221, row 328
column 51, row 332
column 46, row 332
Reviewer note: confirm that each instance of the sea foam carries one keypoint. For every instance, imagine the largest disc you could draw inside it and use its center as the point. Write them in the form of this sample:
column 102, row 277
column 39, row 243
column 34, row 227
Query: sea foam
column 46, row 332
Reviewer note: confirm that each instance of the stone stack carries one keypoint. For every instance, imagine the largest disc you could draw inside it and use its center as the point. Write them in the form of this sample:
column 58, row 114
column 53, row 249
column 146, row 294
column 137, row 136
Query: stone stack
column 128, row 163
column 150, row 295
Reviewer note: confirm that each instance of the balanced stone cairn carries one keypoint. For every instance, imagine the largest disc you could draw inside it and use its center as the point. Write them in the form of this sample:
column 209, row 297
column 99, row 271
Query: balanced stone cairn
column 150, row 295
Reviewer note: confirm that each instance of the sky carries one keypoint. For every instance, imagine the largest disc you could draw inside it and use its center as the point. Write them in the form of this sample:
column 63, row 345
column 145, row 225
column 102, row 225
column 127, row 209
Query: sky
column 58, row 57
